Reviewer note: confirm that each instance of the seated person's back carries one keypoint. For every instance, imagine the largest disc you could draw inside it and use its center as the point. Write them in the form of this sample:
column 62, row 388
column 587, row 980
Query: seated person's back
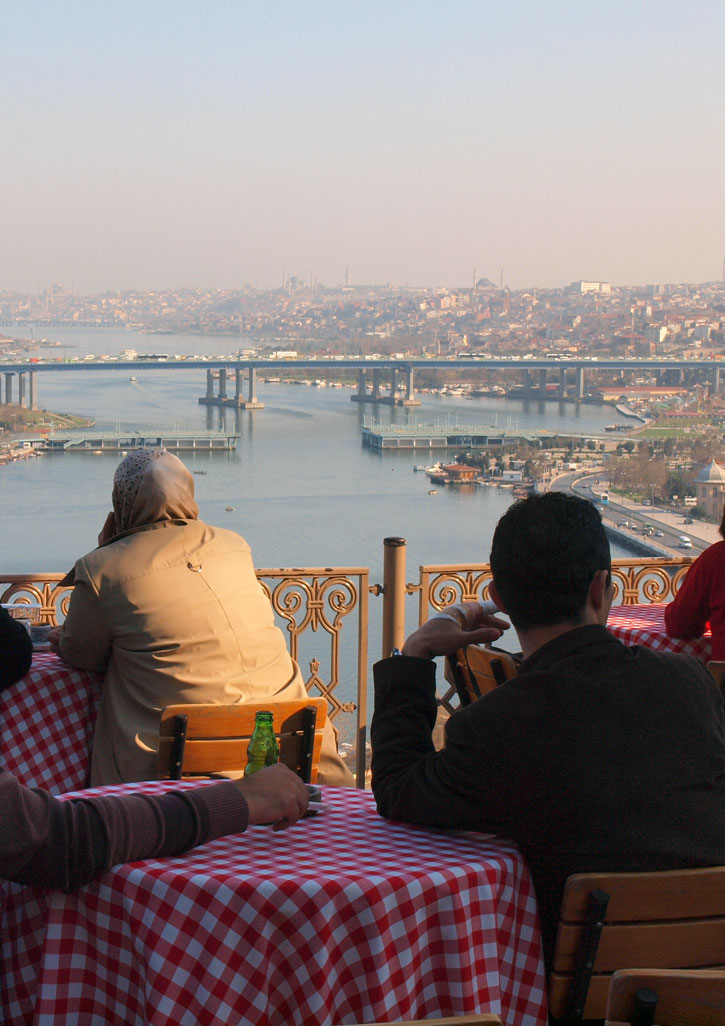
column 595, row 756
column 171, row 609
column 16, row 650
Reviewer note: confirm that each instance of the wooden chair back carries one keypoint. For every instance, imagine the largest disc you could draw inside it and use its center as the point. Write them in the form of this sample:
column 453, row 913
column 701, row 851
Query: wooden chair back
column 206, row 740
column 682, row 997
column 476, row 669
column 610, row 921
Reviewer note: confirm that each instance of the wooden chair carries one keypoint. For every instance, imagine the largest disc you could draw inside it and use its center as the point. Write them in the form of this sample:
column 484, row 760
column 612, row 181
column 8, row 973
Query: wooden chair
column 611, row 921
column 207, row 740
column 682, row 997
column 476, row 669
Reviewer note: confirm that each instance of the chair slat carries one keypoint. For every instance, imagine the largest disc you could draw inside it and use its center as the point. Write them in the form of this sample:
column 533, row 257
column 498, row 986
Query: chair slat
column 237, row 720
column 686, row 944
column 559, row 991
column 648, row 896
column 685, row 998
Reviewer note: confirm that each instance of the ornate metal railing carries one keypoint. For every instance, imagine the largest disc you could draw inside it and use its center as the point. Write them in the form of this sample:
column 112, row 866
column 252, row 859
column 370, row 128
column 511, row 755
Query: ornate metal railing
column 324, row 612
column 635, row 581
column 320, row 601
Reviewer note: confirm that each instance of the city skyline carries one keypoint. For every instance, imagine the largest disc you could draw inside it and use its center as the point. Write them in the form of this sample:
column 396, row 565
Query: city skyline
column 174, row 145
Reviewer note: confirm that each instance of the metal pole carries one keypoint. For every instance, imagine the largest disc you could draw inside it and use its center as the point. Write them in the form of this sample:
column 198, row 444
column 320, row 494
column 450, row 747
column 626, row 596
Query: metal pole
column 393, row 594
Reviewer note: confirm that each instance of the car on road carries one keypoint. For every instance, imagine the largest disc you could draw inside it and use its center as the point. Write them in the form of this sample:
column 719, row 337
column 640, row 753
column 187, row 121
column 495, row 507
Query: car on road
column 689, row 520
column 659, row 534
column 623, row 523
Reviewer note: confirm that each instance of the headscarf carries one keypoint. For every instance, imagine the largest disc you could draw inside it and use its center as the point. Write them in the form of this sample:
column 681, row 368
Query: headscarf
column 151, row 485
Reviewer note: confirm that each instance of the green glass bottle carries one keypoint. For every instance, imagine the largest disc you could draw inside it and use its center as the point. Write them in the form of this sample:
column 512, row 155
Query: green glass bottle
column 263, row 749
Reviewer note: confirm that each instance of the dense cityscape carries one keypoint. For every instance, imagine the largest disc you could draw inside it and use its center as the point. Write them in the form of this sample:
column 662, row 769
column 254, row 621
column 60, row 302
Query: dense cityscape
column 591, row 318
column 679, row 416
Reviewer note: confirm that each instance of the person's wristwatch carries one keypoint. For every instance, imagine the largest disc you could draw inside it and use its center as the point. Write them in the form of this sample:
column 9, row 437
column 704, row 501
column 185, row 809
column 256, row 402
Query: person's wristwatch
column 395, row 652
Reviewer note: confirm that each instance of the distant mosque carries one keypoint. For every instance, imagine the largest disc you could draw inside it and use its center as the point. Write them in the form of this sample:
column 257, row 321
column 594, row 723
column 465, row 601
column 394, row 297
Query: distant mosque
column 710, row 486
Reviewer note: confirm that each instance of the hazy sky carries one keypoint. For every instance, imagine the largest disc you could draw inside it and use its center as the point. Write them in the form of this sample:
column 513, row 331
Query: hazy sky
column 161, row 144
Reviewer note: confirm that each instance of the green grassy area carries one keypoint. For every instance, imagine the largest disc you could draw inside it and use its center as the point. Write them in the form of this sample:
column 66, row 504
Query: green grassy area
column 685, row 434
column 16, row 420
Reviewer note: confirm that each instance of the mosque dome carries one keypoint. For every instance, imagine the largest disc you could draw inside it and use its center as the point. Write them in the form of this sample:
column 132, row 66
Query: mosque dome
column 711, row 474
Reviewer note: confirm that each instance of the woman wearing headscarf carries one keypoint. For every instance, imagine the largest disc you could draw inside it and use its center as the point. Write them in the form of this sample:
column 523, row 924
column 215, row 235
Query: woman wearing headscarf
column 171, row 610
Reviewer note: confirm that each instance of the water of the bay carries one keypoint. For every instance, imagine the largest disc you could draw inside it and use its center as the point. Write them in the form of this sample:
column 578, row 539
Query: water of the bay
column 303, row 489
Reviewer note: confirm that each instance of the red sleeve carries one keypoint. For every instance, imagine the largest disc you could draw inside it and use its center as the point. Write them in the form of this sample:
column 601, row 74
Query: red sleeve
column 687, row 615
column 50, row 843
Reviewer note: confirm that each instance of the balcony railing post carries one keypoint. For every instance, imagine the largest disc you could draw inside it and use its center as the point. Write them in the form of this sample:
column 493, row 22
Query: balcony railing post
column 393, row 594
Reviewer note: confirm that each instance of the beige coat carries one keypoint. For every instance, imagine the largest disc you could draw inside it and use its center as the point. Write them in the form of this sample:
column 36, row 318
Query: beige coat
column 173, row 612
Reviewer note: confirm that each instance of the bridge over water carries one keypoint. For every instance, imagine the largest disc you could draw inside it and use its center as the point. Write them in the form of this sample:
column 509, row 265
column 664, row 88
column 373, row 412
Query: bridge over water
column 240, row 376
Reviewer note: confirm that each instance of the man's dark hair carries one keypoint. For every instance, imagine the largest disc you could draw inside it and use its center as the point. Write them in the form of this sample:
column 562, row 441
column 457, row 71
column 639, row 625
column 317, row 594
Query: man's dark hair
column 545, row 552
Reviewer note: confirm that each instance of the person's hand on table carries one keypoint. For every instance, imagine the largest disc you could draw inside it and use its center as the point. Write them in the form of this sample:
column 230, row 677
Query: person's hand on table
column 467, row 623
column 275, row 795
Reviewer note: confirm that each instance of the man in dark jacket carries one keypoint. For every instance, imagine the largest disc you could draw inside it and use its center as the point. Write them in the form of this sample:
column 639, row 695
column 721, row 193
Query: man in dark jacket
column 16, row 650
column 596, row 756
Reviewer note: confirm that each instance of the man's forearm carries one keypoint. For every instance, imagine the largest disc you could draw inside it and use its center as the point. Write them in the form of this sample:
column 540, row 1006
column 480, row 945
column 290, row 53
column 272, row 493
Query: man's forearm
column 66, row 844
column 411, row 780
column 402, row 725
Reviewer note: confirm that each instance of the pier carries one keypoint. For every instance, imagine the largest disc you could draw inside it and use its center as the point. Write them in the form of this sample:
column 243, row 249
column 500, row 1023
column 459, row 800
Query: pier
column 438, row 436
column 107, row 441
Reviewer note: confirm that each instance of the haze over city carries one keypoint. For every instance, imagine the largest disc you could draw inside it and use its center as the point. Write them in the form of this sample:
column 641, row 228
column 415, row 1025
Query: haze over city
column 178, row 144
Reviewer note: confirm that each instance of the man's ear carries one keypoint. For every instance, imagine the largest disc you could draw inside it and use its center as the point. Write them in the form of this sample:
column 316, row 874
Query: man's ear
column 494, row 593
column 599, row 590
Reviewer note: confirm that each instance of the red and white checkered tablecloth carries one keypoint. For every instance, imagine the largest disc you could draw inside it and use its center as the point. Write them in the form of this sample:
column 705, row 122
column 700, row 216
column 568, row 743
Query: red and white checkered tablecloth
column 645, row 625
column 345, row 917
column 46, row 725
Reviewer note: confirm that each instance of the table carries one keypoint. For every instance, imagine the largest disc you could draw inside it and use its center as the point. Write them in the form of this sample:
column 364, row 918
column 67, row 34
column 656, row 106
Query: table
column 645, row 625
column 46, row 724
column 346, row 917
